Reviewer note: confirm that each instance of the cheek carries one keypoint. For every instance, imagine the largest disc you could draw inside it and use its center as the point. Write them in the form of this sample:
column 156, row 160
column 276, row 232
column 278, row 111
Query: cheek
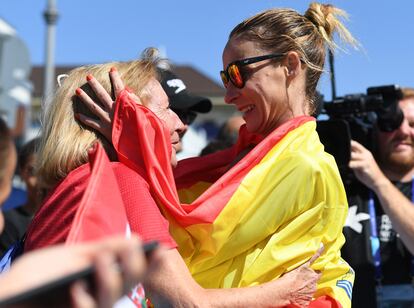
column 259, row 99
column 384, row 140
column 173, row 121
column 164, row 116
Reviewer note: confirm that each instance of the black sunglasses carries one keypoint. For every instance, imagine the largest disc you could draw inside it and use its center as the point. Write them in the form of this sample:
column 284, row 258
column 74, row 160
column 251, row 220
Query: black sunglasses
column 234, row 73
column 186, row 116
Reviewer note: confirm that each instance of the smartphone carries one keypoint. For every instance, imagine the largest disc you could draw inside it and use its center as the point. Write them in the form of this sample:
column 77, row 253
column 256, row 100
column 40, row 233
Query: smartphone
column 56, row 292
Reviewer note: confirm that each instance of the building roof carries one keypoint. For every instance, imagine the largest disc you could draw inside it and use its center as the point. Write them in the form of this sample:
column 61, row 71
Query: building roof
column 197, row 83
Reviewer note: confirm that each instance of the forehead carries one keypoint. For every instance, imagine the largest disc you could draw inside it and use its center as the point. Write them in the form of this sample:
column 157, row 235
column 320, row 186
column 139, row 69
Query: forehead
column 407, row 105
column 237, row 49
column 157, row 95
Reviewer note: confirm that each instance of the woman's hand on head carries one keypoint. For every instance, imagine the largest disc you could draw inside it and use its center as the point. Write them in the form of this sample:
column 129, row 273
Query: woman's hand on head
column 105, row 108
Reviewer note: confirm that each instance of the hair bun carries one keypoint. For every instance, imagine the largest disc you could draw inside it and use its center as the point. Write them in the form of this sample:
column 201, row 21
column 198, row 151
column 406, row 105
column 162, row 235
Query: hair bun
column 325, row 17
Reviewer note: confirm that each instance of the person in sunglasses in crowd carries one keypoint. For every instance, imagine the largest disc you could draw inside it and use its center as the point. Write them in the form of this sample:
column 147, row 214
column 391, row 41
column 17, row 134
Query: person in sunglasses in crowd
column 184, row 104
column 249, row 213
column 380, row 230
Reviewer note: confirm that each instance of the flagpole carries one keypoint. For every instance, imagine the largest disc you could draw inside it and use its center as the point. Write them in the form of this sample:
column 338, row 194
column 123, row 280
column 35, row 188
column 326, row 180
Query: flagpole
column 51, row 16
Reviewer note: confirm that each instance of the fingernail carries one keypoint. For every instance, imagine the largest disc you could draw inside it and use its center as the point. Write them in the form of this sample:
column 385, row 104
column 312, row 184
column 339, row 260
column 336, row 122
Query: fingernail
column 78, row 91
column 89, row 77
column 113, row 69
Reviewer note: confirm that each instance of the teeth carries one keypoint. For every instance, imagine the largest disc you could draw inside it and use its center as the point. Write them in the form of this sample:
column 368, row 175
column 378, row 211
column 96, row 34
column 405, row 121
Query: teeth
column 247, row 108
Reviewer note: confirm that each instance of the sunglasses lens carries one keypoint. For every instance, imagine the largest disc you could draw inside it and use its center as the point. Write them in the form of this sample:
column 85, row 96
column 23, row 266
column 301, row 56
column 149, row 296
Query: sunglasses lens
column 224, row 78
column 235, row 76
column 187, row 117
column 191, row 116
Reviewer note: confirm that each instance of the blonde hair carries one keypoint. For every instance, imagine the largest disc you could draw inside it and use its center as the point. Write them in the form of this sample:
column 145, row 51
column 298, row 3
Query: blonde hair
column 284, row 30
column 64, row 141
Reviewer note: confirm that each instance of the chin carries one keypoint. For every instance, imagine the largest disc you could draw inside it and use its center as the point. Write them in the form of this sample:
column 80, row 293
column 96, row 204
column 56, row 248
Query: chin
column 401, row 162
column 173, row 160
column 252, row 127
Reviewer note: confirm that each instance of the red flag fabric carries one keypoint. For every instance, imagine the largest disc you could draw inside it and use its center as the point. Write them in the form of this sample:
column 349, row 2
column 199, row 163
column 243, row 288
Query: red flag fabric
column 101, row 211
column 248, row 222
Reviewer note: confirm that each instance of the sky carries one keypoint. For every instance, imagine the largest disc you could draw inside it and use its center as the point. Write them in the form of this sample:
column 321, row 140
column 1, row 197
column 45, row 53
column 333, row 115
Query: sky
column 194, row 33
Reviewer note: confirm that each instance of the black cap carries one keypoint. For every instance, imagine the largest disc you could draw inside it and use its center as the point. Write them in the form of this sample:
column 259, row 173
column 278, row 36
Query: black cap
column 178, row 95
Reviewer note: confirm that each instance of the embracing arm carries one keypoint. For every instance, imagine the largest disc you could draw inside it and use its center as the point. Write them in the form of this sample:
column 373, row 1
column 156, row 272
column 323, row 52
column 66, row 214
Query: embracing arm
column 399, row 208
column 169, row 278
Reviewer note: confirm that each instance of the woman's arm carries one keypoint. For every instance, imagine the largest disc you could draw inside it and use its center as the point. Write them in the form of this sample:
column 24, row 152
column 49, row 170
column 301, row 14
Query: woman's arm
column 168, row 279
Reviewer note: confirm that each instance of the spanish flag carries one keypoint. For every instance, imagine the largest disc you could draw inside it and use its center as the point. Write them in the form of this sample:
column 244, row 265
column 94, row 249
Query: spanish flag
column 101, row 199
column 245, row 223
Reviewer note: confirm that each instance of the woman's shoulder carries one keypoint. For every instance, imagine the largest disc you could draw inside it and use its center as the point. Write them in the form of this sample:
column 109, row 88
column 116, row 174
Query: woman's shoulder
column 311, row 160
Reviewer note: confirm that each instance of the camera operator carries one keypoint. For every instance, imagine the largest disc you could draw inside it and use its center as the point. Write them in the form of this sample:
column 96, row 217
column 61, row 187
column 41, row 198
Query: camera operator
column 381, row 216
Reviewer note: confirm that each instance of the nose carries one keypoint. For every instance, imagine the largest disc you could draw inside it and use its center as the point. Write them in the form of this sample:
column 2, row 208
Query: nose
column 231, row 93
column 179, row 126
column 404, row 129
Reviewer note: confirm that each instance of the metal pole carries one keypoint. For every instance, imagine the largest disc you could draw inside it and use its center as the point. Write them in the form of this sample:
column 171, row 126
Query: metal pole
column 332, row 73
column 1, row 62
column 51, row 16
column 6, row 32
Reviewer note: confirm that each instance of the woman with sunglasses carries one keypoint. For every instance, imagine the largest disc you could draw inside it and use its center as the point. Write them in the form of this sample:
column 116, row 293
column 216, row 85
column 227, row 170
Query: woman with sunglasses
column 248, row 214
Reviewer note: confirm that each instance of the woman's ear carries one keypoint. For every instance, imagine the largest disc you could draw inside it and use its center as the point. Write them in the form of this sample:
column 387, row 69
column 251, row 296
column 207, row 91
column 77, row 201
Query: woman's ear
column 293, row 64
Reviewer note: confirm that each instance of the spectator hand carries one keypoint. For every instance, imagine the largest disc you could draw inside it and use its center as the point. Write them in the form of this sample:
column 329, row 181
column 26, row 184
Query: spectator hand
column 364, row 165
column 45, row 265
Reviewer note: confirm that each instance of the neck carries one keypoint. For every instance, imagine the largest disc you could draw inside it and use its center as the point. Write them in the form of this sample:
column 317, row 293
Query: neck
column 32, row 203
column 396, row 176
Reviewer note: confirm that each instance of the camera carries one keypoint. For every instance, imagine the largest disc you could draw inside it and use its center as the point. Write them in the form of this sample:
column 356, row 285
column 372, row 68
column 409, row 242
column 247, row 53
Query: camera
column 355, row 116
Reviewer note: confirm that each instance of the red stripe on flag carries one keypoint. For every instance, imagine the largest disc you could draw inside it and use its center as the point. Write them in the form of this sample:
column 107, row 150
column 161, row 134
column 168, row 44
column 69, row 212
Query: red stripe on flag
column 142, row 142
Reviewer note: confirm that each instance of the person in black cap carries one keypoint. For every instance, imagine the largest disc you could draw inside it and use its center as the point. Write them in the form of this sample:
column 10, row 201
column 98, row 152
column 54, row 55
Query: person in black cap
column 184, row 104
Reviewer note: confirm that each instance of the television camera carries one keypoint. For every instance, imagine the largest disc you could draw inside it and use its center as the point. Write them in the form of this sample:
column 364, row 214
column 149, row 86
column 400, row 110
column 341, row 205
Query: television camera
column 355, row 116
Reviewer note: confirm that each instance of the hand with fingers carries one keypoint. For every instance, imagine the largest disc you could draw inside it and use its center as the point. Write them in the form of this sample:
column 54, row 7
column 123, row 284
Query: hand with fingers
column 302, row 281
column 105, row 108
column 112, row 281
column 364, row 165
column 119, row 264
